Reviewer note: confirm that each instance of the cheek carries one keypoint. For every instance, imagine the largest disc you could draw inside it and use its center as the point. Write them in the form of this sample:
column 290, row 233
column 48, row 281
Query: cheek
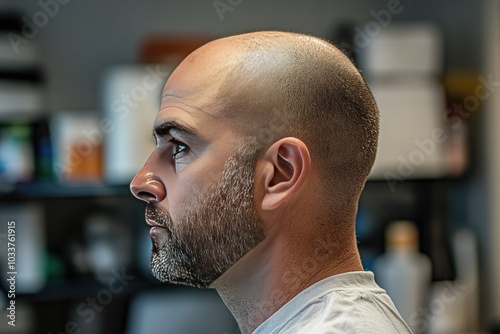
column 183, row 193
column 185, row 188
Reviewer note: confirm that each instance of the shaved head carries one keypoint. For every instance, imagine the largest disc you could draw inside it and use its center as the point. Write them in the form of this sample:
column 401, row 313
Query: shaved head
column 264, row 142
column 270, row 85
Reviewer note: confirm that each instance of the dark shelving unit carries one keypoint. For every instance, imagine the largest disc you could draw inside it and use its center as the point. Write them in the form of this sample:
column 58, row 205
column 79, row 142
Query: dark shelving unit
column 65, row 208
column 39, row 190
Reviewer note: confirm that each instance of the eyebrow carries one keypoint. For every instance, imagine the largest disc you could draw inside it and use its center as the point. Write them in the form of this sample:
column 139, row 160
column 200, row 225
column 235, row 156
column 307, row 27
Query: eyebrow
column 164, row 129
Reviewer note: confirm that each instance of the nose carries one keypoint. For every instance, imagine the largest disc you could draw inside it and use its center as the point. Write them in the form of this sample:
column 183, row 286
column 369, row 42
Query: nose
column 147, row 187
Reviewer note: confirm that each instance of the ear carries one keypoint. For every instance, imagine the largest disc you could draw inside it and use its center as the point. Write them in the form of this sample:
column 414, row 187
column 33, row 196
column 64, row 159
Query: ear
column 285, row 166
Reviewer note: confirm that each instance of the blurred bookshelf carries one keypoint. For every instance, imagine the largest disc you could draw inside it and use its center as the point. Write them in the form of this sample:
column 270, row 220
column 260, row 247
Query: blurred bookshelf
column 82, row 287
column 70, row 214
column 38, row 190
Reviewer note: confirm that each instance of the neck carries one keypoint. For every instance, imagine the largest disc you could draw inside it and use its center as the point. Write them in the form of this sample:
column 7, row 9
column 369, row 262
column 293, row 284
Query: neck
column 279, row 268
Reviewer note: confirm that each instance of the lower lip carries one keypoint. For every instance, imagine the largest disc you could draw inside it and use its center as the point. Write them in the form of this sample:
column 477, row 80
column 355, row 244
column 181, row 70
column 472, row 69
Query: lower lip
column 156, row 229
column 158, row 235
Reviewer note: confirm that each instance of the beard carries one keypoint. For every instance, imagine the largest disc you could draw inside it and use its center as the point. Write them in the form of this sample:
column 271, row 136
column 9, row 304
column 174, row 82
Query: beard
column 213, row 234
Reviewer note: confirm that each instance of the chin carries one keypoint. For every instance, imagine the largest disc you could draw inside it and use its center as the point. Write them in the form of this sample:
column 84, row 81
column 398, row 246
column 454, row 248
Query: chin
column 166, row 270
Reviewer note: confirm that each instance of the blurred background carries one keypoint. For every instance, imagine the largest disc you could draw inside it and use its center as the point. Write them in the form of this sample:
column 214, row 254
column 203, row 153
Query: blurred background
column 79, row 88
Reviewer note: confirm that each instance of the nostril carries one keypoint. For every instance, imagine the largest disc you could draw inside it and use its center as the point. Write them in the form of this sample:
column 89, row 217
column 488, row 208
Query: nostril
column 146, row 196
column 148, row 188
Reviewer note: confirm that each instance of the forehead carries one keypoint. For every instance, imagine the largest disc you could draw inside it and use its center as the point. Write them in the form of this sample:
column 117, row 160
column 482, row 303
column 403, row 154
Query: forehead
column 199, row 77
column 191, row 93
column 198, row 88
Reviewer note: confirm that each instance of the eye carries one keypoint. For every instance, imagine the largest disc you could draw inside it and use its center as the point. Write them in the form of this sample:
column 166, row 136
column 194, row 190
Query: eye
column 179, row 148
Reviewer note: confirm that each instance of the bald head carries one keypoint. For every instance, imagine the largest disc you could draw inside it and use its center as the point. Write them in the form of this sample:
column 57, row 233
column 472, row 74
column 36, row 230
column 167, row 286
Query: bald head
column 272, row 85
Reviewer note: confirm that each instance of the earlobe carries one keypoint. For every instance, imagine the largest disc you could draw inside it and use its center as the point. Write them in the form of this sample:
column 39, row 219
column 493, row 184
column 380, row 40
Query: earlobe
column 287, row 165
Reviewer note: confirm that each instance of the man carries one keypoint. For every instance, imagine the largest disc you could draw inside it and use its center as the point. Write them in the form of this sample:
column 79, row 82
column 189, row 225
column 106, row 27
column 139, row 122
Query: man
column 264, row 144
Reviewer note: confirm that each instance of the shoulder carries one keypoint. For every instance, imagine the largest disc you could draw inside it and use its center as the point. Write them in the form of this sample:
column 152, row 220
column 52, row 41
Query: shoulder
column 350, row 303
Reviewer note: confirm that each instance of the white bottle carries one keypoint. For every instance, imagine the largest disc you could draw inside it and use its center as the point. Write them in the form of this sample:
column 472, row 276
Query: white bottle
column 404, row 272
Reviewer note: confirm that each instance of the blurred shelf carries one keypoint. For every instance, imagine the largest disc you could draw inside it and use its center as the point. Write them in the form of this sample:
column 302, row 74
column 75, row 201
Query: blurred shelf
column 53, row 190
column 418, row 180
column 49, row 189
column 81, row 288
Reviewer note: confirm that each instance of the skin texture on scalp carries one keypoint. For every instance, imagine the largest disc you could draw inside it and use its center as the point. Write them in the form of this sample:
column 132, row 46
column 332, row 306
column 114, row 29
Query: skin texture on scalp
column 321, row 97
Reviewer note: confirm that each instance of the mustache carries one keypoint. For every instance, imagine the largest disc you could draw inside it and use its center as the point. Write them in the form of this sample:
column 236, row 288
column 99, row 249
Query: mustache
column 159, row 216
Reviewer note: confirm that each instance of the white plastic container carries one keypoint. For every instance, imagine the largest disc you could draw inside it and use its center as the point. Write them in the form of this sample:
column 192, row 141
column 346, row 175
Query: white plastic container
column 404, row 272
column 405, row 49
column 413, row 137
column 131, row 99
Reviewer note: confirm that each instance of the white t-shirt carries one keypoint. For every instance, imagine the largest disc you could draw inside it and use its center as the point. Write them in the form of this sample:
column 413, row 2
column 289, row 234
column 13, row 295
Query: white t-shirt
column 344, row 303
